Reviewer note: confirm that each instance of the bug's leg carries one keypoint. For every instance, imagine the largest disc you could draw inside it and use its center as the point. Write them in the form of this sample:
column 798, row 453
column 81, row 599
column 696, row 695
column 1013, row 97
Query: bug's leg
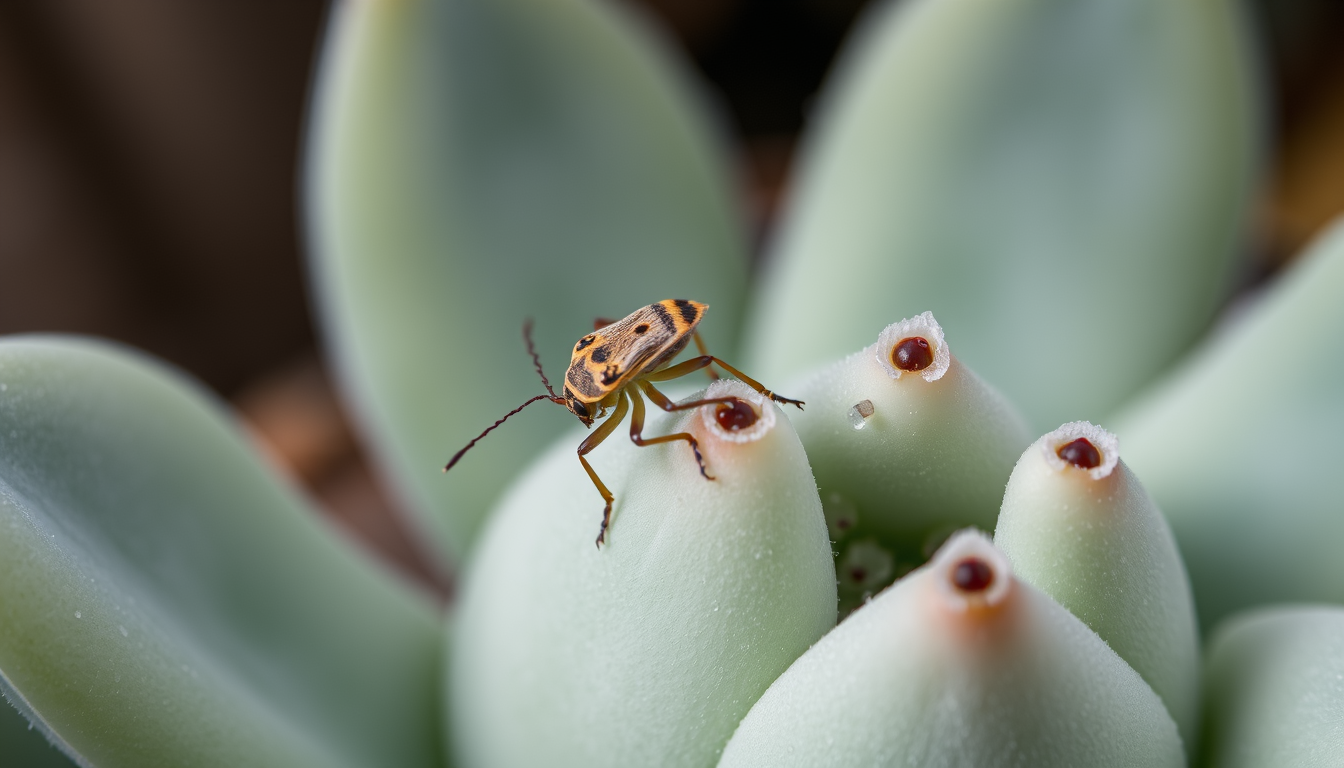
column 637, row 429
column 700, row 345
column 666, row 403
column 589, row 443
column 696, row 363
column 679, row 370
column 601, row 322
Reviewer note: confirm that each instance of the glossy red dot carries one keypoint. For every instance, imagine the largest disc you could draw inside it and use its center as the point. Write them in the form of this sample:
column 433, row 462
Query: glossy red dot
column 1080, row 453
column 972, row 575
column 912, row 354
column 735, row 416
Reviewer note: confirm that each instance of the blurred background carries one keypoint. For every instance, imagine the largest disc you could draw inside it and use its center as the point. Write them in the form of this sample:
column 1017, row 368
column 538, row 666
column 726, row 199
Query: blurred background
column 149, row 152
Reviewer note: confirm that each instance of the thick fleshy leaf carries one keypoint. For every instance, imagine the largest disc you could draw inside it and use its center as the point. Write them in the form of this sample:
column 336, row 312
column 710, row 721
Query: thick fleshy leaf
column 1275, row 692
column 477, row 162
column 166, row 601
column 1059, row 181
column 908, row 455
column 1241, row 446
column 648, row 651
column 1078, row 525
column 958, row 664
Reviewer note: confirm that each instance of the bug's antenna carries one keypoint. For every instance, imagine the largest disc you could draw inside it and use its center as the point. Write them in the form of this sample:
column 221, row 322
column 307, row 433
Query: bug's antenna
column 502, row 419
column 536, row 361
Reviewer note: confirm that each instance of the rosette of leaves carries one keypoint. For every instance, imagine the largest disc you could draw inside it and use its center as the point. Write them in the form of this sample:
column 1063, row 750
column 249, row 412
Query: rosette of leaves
column 1061, row 183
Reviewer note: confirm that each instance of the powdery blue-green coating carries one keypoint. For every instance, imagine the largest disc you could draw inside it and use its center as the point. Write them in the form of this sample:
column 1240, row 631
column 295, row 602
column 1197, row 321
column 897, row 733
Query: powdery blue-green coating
column 1274, row 690
column 1101, row 548
column 934, row 454
column 167, row 601
column 474, row 163
column 1244, row 456
column 1060, row 181
column 649, row 651
column 904, row 681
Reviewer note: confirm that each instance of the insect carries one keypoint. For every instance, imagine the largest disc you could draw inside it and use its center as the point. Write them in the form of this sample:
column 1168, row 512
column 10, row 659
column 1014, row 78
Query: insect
column 615, row 367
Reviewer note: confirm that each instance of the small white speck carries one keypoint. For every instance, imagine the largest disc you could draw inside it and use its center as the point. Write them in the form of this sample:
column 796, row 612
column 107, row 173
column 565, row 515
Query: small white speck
column 124, row 633
column 78, row 615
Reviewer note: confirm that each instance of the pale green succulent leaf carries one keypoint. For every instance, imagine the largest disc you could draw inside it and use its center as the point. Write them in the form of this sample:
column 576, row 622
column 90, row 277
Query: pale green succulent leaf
column 649, row 650
column 1243, row 455
column 1060, row 182
column 925, row 674
column 166, row 600
column 912, row 457
column 1095, row 541
column 473, row 163
column 1275, row 688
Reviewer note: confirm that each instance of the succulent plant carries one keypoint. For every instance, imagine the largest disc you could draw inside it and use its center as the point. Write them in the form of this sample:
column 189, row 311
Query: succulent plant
column 1048, row 193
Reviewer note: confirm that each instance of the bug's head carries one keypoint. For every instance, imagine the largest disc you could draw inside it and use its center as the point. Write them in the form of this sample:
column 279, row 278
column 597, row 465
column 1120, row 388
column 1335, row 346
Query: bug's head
column 585, row 411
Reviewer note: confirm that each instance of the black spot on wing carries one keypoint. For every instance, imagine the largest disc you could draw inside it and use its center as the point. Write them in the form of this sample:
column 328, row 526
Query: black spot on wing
column 610, row 374
column 600, row 354
column 584, row 342
column 666, row 319
column 687, row 310
column 642, row 328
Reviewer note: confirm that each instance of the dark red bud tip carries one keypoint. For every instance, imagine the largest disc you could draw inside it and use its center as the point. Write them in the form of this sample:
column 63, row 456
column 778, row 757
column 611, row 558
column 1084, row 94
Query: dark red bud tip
column 735, row 416
column 1080, row 453
column 912, row 354
column 972, row 575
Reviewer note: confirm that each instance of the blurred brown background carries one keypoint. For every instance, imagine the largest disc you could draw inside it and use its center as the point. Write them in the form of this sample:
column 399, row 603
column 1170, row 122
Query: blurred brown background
column 148, row 156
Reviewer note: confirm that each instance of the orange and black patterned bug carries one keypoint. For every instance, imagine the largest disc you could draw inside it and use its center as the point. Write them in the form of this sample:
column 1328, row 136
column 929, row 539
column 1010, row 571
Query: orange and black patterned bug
column 616, row 365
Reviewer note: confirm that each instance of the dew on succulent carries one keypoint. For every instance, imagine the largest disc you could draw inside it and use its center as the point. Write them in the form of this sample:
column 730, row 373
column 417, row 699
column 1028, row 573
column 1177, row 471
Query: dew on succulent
column 859, row 414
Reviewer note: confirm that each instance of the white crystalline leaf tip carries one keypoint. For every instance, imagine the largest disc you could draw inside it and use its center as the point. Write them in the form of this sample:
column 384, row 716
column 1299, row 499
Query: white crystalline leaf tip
column 924, row 326
column 765, row 411
column 971, row 544
column 1105, row 442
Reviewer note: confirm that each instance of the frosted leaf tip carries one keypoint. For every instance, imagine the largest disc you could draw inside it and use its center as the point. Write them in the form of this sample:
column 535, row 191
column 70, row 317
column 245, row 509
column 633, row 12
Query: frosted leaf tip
column 914, row 345
column 971, row 572
column 747, row 420
column 1082, row 446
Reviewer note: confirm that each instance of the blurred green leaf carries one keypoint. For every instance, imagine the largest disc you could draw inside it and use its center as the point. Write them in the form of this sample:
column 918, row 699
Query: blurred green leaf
column 1241, row 445
column 166, row 601
column 477, row 162
column 1059, row 181
column 1275, row 690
